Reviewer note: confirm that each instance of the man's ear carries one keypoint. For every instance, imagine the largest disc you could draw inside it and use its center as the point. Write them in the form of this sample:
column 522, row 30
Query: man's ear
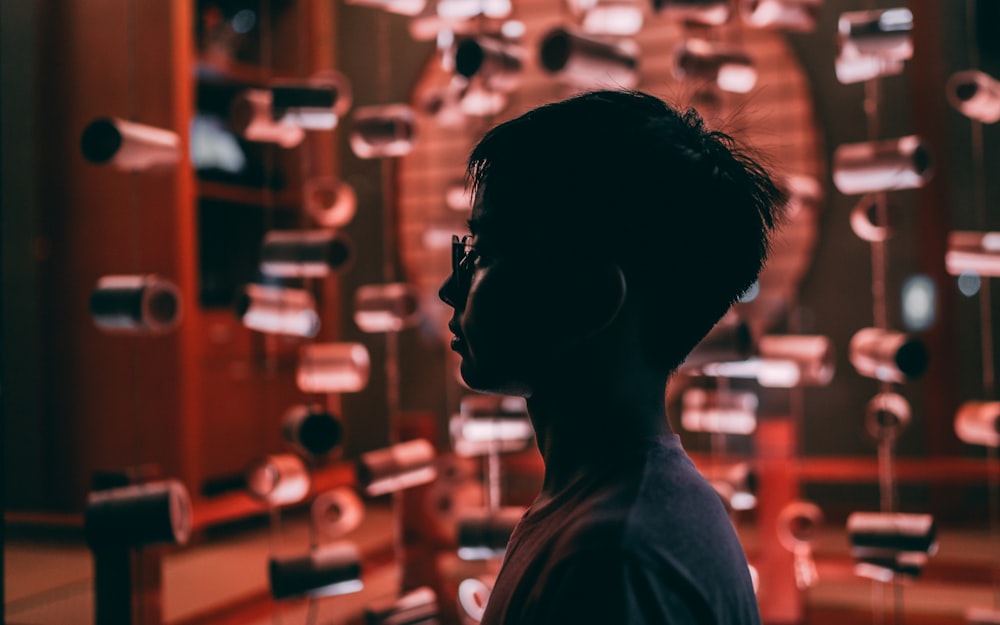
column 591, row 298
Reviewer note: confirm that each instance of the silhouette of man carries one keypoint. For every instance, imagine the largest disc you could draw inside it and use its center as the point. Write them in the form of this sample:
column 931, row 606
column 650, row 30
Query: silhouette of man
column 609, row 233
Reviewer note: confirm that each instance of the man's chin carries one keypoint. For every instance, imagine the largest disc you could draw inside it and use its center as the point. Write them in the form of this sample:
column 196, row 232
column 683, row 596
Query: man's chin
column 483, row 382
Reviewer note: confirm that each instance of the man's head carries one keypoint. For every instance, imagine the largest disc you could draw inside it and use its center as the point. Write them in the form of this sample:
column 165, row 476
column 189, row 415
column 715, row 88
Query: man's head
column 600, row 200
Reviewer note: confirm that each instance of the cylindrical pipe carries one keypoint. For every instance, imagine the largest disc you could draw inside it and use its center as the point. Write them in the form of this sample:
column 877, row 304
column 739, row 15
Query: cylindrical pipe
column 331, row 203
column 136, row 304
column 333, row 368
column 882, row 33
column 870, row 532
column 278, row 310
column 734, row 483
column 129, row 146
column 798, row 525
column 312, row 429
column 386, row 307
column 473, row 594
column 134, row 516
column 410, row 8
column 864, row 220
column 812, row 356
column 978, row 423
column 887, row 165
column 278, row 479
column 395, row 468
column 590, row 62
column 326, row 571
column 975, row 95
column 618, row 18
column 478, row 437
column 337, row 512
column 886, row 416
column 416, row 607
column 494, row 61
column 725, row 412
column 887, row 355
column 251, row 115
column 704, row 12
column 728, row 68
column 383, row 131
column 975, row 252
column 484, row 534
column 303, row 253
column 794, row 15
column 317, row 104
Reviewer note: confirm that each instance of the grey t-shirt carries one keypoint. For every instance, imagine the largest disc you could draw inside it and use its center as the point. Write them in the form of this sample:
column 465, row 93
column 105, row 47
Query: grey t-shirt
column 647, row 541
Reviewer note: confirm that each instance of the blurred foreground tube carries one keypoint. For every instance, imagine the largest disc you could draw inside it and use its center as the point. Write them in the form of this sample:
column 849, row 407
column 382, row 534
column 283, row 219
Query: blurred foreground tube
column 136, row 304
column 887, row 355
column 303, row 253
column 873, row 44
column 728, row 68
column 325, row 571
column 886, row 416
column 278, row 479
column 333, row 368
column 975, row 95
column 278, row 310
column 793, row 15
column 386, row 307
column 812, row 356
column 337, row 512
column 129, row 146
column 590, row 62
column 886, row 165
column 704, row 12
column 975, row 252
column 886, row 545
column 331, row 203
column 134, row 516
column 312, row 429
column 494, row 61
column 396, row 468
column 725, row 412
column 978, row 423
column 251, row 115
column 383, row 131
column 484, row 534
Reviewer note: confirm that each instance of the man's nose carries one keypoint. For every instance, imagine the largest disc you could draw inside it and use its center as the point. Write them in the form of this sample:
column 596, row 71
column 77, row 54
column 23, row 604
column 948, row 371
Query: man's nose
column 447, row 290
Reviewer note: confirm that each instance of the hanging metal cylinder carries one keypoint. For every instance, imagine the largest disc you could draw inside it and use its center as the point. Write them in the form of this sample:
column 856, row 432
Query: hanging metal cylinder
column 798, row 524
column 885, row 165
column 129, row 146
column 973, row 252
column 590, row 62
column 491, row 423
column 337, row 512
column 735, row 484
column 325, row 571
column 887, row 415
column 473, row 594
column 278, row 310
column 304, row 253
column 484, row 534
column 386, row 307
column 887, row 545
column 793, row 15
column 495, row 62
column 887, row 355
column 978, row 423
column 333, row 368
column 704, row 12
column 383, row 131
column 135, row 516
column 251, row 116
column 975, row 94
column 724, row 412
column 312, row 429
column 136, row 304
column 728, row 68
column 873, row 44
column 316, row 104
column 278, row 479
column 813, row 358
column 416, row 607
column 619, row 18
column 396, row 468
column 332, row 203
column 409, row 8
column 864, row 221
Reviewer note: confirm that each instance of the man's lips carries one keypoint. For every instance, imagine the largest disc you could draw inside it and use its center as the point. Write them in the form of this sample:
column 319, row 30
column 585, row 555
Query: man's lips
column 456, row 341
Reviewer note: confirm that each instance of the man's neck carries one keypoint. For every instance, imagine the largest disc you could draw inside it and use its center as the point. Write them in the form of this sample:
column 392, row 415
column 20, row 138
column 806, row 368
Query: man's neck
column 585, row 421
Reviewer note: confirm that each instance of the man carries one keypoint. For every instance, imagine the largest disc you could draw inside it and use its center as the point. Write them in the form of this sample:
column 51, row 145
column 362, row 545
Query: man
column 609, row 233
